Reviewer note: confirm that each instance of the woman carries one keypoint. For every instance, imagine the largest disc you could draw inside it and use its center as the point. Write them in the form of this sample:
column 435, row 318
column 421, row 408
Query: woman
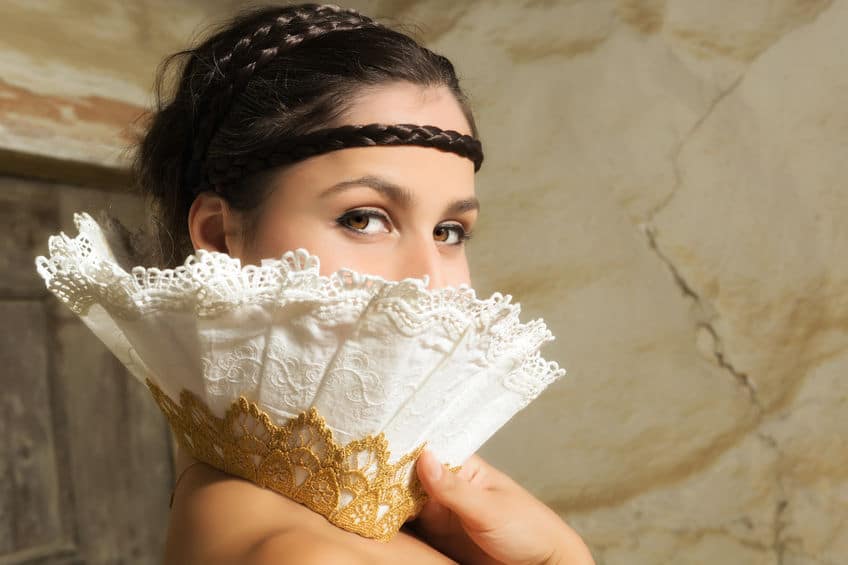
column 314, row 126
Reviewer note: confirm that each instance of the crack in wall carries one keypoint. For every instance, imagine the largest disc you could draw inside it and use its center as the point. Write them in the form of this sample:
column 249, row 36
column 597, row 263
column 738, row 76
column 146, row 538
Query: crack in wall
column 687, row 137
column 718, row 347
column 740, row 377
column 675, row 156
column 685, row 288
column 721, row 359
column 650, row 231
column 782, row 503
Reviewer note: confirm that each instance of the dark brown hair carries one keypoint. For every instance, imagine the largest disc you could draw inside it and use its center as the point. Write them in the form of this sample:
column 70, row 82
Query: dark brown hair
column 270, row 73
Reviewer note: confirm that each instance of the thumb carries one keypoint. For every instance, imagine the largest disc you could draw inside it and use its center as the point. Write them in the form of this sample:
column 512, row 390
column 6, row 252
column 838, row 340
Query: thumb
column 468, row 501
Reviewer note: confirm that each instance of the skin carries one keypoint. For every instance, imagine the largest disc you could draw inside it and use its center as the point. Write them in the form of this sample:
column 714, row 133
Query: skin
column 217, row 518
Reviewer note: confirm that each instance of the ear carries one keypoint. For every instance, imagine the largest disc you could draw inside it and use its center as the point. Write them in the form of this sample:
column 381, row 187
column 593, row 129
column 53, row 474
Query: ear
column 213, row 225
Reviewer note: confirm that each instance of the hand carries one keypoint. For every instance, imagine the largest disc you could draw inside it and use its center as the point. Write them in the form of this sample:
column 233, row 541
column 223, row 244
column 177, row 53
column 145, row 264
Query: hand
column 480, row 516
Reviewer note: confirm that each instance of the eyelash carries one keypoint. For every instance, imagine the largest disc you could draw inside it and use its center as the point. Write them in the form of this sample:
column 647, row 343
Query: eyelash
column 463, row 235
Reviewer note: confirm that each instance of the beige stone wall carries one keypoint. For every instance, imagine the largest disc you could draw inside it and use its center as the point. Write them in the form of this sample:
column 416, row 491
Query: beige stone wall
column 76, row 77
column 665, row 185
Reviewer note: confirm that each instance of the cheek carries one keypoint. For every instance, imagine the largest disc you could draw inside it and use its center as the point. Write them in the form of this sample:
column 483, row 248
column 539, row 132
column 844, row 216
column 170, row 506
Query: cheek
column 277, row 235
column 456, row 271
column 334, row 251
column 462, row 274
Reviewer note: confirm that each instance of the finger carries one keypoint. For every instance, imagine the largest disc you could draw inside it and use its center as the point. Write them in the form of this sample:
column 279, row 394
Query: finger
column 483, row 473
column 470, row 503
column 433, row 513
column 467, row 471
column 433, row 520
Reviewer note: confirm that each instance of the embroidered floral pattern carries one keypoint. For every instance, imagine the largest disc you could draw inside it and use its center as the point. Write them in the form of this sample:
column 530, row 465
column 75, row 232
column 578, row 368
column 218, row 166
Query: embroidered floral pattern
column 295, row 381
column 241, row 367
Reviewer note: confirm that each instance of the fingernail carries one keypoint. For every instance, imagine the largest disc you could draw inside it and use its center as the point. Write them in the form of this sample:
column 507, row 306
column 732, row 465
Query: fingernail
column 432, row 467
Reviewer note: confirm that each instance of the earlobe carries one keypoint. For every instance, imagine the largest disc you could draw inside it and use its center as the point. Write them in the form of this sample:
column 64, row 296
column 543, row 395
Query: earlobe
column 211, row 223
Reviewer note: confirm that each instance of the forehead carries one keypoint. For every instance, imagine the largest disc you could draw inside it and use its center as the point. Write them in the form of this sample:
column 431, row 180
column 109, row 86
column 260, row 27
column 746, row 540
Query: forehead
column 407, row 103
column 431, row 176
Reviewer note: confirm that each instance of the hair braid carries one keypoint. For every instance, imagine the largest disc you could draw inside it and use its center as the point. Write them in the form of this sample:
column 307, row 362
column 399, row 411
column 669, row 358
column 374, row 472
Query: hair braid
column 233, row 70
column 227, row 170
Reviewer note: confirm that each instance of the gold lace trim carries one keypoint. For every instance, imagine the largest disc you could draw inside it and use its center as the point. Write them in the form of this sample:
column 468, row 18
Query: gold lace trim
column 354, row 486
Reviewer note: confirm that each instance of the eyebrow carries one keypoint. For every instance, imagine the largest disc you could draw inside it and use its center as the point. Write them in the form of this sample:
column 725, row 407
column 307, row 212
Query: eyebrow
column 398, row 194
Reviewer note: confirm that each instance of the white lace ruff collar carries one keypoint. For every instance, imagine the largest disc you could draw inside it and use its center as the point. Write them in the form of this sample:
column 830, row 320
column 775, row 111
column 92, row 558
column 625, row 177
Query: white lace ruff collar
column 336, row 380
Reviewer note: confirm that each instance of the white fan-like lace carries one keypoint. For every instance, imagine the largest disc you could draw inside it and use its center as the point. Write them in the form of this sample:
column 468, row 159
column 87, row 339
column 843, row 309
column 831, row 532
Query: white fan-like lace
column 441, row 365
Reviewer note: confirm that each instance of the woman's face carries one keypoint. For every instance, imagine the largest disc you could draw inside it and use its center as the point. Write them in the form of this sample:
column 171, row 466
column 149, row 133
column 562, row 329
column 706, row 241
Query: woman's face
column 396, row 212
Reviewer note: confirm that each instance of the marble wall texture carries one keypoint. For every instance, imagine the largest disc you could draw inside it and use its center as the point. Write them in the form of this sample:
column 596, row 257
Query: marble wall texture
column 664, row 184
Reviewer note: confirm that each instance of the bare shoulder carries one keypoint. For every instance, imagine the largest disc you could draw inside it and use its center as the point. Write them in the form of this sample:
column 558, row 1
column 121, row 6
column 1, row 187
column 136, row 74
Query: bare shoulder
column 298, row 547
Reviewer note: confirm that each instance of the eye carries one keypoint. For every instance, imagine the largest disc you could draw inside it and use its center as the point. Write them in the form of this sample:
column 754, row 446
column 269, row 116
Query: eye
column 359, row 221
column 365, row 222
column 444, row 231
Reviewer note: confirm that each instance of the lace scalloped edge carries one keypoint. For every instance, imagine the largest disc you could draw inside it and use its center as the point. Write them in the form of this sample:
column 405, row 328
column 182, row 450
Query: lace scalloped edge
column 81, row 271
column 215, row 281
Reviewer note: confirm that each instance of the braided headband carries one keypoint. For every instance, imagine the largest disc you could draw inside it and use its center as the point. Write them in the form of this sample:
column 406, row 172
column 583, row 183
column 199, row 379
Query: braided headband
column 232, row 72
column 225, row 170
